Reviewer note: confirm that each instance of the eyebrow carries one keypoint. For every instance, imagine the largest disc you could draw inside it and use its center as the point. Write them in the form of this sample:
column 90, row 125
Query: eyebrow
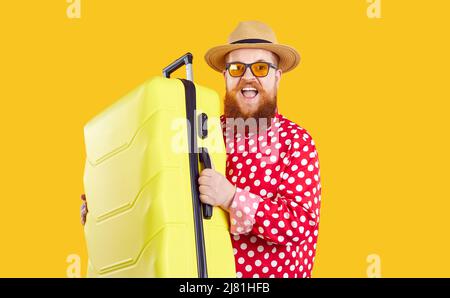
column 259, row 60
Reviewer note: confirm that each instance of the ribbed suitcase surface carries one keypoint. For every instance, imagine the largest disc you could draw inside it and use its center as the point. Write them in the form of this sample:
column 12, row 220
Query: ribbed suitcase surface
column 138, row 184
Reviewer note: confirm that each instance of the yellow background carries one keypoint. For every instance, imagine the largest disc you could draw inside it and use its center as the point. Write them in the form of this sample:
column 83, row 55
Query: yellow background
column 372, row 92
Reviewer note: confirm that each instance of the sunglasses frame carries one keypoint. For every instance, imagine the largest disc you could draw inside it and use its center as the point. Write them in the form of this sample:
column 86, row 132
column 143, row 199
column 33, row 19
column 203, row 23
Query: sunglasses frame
column 227, row 67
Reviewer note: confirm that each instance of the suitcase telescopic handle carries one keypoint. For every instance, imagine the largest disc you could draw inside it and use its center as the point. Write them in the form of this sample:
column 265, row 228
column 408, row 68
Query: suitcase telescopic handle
column 206, row 159
column 186, row 59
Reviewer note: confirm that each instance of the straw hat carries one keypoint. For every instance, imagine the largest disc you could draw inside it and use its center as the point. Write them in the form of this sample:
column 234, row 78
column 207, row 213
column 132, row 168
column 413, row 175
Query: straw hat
column 253, row 35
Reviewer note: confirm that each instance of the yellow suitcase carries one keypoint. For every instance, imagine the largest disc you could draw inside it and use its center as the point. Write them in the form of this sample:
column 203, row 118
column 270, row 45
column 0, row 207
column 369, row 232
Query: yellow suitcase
column 144, row 155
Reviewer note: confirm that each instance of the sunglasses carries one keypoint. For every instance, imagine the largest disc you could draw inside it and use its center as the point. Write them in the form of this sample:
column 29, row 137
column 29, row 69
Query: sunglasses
column 259, row 69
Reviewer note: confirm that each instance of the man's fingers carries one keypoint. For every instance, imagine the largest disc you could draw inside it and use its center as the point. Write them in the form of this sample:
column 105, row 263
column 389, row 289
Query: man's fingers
column 207, row 172
column 204, row 180
column 204, row 190
column 206, row 199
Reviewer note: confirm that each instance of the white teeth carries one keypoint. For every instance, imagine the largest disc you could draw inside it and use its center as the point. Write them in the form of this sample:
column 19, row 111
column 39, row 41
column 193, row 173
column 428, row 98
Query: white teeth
column 248, row 89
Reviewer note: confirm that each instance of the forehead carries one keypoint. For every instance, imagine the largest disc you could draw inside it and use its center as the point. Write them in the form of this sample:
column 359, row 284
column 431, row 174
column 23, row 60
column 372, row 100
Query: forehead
column 250, row 55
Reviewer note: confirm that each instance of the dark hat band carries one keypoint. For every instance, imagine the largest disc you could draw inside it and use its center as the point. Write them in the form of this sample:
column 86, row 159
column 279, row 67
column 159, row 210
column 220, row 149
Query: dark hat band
column 251, row 40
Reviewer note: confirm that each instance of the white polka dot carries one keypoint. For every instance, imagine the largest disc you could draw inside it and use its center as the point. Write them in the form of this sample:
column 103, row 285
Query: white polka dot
column 308, row 181
column 248, row 268
column 273, row 263
column 304, row 162
column 301, row 174
column 263, row 192
column 299, row 187
column 273, row 181
column 266, row 223
column 246, row 210
column 273, row 158
column 239, row 274
column 244, row 246
column 239, row 213
column 251, row 253
column 281, row 255
column 281, row 224
column 302, row 218
column 241, row 260
column 265, row 270
column 239, row 166
column 253, row 168
column 280, row 238
column 248, row 161
column 291, row 180
column 274, row 231
column 285, row 275
column 260, row 248
column 310, row 168
column 268, row 172
column 257, row 183
column 258, row 263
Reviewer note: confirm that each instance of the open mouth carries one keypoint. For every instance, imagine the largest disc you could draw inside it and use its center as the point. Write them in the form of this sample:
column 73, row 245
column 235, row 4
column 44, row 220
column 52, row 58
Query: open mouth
column 249, row 92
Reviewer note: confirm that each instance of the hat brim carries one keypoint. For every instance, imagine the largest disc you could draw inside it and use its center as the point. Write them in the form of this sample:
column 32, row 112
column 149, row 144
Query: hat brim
column 289, row 57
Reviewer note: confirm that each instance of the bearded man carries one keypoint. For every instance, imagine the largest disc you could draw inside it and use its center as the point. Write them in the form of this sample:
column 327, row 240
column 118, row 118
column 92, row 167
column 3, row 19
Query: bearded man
column 272, row 187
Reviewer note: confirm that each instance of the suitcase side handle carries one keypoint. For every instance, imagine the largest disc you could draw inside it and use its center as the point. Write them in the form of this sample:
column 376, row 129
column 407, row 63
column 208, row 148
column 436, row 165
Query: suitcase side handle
column 186, row 59
column 206, row 159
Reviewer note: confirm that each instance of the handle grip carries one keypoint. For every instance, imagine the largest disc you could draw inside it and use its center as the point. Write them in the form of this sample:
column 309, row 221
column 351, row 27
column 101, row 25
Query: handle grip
column 186, row 59
column 206, row 160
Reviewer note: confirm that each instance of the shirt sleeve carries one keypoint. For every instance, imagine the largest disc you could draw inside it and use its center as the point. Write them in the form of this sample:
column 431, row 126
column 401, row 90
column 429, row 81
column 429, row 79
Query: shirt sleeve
column 292, row 214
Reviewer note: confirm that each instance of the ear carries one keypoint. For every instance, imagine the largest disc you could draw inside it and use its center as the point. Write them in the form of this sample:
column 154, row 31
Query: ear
column 278, row 77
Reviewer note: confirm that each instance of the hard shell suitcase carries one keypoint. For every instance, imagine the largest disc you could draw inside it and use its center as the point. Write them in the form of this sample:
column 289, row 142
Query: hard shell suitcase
column 144, row 155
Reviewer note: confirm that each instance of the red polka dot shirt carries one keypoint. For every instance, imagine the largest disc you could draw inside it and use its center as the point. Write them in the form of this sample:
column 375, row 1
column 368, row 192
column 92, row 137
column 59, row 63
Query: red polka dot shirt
column 274, row 214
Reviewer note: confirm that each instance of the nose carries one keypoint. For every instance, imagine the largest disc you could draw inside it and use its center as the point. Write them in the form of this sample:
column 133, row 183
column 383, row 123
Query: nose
column 248, row 75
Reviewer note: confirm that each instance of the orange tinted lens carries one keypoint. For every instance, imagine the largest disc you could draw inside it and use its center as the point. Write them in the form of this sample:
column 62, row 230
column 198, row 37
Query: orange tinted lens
column 260, row 69
column 236, row 69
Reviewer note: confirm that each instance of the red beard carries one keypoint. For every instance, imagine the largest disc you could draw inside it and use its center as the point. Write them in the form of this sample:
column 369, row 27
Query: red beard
column 264, row 112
